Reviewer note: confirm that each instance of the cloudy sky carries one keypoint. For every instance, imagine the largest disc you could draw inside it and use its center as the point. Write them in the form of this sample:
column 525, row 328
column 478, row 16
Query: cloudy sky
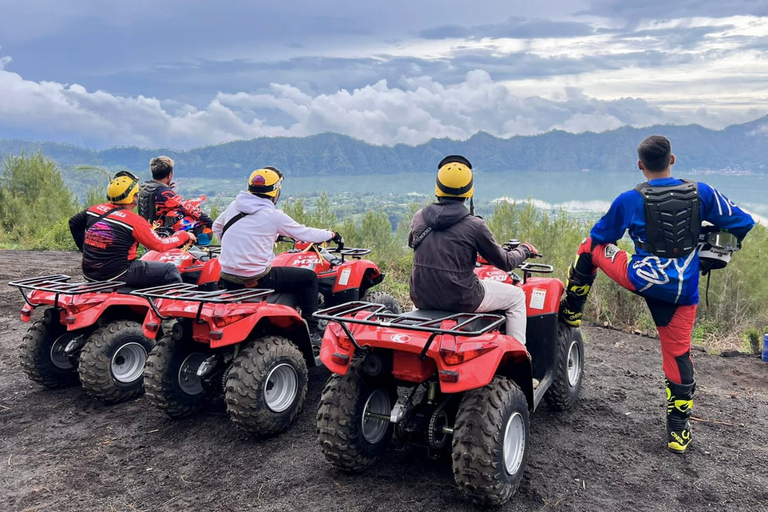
column 186, row 73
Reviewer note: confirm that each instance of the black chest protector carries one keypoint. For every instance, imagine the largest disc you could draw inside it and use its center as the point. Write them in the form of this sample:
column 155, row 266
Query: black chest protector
column 672, row 218
column 147, row 207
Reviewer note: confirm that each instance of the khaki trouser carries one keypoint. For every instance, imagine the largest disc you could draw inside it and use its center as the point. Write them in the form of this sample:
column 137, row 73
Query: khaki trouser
column 510, row 299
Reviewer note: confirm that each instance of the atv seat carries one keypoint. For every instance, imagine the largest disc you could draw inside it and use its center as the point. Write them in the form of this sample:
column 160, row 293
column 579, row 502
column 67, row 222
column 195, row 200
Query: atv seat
column 434, row 314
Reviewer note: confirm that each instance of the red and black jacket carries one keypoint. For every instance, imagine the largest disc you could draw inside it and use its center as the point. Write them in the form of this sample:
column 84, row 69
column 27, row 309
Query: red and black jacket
column 108, row 236
column 158, row 201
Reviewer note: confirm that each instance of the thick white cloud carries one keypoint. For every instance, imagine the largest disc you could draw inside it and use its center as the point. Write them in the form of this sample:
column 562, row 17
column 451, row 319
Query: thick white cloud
column 417, row 110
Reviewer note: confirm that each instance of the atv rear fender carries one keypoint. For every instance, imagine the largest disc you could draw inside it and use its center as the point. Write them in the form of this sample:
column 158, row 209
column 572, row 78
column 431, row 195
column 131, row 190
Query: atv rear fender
column 221, row 325
column 542, row 295
column 357, row 274
column 81, row 311
column 508, row 356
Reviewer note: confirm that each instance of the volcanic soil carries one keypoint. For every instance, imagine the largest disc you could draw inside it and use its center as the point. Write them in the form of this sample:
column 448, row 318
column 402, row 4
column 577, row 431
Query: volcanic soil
column 61, row 450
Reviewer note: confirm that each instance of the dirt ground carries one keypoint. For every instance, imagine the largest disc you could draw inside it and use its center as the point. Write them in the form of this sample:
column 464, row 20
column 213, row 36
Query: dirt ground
column 62, row 450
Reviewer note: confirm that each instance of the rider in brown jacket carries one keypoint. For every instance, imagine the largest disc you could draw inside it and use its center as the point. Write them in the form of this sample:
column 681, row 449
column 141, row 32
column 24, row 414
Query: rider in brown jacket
column 446, row 239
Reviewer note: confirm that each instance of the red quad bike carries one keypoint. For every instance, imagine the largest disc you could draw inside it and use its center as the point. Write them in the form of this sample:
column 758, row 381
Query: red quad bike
column 448, row 381
column 91, row 330
column 342, row 274
column 190, row 262
column 249, row 344
column 260, row 362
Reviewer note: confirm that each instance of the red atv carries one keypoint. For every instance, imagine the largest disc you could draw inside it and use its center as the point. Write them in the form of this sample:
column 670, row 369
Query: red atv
column 447, row 381
column 342, row 274
column 91, row 330
column 252, row 345
column 190, row 262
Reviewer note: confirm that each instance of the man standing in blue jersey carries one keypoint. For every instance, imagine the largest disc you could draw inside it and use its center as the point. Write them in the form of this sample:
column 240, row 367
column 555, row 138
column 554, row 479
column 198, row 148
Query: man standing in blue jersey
column 663, row 216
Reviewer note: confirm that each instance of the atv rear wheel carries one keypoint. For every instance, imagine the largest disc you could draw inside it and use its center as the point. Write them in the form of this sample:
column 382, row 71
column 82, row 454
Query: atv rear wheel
column 564, row 392
column 349, row 438
column 112, row 361
column 383, row 298
column 170, row 377
column 490, row 442
column 42, row 353
column 266, row 386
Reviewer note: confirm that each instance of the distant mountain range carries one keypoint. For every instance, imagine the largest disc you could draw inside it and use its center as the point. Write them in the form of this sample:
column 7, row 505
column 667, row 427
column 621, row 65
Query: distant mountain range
column 742, row 147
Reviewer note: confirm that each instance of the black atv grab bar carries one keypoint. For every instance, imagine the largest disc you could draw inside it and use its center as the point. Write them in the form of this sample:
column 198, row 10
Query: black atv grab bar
column 345, row 313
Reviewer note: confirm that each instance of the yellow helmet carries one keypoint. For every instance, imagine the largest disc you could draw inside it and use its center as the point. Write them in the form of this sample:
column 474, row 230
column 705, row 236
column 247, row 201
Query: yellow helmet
column 454, row 177
column 123, row 188
column 265, row 182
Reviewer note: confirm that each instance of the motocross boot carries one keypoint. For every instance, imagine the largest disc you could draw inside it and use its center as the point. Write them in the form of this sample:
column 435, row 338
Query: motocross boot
column 576, row 290
column 679, row 407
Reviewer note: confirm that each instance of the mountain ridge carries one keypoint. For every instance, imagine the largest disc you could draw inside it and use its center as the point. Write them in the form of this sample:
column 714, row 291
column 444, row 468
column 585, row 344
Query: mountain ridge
column 739, row 147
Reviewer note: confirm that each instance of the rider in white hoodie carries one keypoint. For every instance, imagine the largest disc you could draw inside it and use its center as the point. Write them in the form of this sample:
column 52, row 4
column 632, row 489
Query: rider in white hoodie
column 248, row 229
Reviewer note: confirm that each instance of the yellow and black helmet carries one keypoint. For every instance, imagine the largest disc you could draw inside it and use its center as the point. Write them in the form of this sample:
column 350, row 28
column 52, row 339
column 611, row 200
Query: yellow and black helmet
column 454, row 177
column 265, row 182
column 123, row 188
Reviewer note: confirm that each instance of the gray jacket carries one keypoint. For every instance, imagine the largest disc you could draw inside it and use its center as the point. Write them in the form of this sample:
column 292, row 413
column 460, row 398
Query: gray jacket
column 443, row 275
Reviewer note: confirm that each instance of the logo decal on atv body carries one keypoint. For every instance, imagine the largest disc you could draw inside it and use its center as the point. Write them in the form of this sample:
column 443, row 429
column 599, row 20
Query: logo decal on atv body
column 400, row 338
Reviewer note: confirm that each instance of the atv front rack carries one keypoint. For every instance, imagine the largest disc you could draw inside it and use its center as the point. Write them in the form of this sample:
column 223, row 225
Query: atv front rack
column 58, row 285
column 190, row 293
column 346, row 314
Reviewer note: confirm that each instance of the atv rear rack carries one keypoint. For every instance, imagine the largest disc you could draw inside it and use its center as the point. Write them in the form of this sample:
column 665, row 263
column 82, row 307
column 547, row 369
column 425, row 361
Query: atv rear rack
column 345, row 313
column 58, row 285
column 190, row 293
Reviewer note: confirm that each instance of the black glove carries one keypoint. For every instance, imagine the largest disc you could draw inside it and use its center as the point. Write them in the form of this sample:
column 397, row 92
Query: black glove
column 512, row 243
column 337, row 238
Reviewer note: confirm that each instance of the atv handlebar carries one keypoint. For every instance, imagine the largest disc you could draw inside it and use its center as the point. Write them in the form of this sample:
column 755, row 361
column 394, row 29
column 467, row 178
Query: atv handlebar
column 350, row 252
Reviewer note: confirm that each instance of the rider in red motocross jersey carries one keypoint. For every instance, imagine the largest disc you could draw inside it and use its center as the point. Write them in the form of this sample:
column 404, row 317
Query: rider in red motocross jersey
column 159, row 203
column 108, row 234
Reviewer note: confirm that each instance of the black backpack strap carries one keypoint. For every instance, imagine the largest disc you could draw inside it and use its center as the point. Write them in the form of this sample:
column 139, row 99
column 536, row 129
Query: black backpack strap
column 418, row 239
column 97, row 219
column 231, row 221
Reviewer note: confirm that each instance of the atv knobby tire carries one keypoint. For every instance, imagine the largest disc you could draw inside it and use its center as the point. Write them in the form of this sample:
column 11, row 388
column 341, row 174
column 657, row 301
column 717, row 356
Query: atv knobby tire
column 270, row 370
column 348, row 440
column 490, row 442
column 383, row 298
column 170, row 376
column 42, row 354
column 112, row 361
column 564, row 392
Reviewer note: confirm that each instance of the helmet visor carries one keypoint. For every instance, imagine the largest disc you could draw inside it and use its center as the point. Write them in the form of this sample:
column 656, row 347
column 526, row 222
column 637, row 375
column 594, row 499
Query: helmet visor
column 723, row 240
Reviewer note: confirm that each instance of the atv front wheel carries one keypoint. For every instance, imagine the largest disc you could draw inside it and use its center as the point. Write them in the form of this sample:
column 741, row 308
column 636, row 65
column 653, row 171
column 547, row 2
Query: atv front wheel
column 42, row 353
column 170, row 377
column 112, row 361
column 349, row 436
column 385, row 299
column 266, row 386
column 564, row 392
column 490, row 442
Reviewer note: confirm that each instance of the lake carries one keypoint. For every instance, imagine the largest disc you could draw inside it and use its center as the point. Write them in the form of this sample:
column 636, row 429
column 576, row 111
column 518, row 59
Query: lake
column 575, row 191
column 582, row 191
